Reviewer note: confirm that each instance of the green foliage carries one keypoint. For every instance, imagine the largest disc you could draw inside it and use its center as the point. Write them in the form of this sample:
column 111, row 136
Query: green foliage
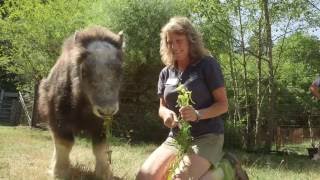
column 301, row 48
column 298, row 58
column 35, row 31
column 141, row 21
column 232, row 134
column 184, row 136
column 214, row 23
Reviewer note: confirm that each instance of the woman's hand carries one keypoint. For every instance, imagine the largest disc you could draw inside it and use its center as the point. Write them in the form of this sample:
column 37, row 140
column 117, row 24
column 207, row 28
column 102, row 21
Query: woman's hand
column 188, row 113
column 170, row 119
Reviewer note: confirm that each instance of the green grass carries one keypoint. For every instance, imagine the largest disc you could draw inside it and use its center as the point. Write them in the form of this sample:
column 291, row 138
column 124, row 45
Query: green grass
column 25, row 154
column 282, row 167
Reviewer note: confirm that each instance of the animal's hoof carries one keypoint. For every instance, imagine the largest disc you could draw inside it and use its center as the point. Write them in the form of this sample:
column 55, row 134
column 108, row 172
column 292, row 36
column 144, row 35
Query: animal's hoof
column 104, row 175
column 118, row 178
column 58, row 174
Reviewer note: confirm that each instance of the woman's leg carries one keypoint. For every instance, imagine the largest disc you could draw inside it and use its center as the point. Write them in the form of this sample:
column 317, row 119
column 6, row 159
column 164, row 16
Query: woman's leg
column 204, row 152
column 157, row 164
column 192, row 166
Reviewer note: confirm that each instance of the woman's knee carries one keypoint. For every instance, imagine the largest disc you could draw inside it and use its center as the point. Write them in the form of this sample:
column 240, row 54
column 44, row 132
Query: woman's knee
column 145, row 174
column 191, row 167
column 141, row 175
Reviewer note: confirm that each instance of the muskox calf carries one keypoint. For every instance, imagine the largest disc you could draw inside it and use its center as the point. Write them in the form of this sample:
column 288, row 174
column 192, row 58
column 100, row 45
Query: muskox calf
column 80, row 91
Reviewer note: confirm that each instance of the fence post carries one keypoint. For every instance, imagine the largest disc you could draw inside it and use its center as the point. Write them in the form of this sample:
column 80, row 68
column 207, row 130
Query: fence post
column 35, row 117
column 1, row 95
column 310, row 126
column 24, row 107
column 278, row 138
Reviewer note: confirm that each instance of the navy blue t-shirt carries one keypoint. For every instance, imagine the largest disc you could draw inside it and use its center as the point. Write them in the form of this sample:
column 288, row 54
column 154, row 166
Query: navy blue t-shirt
column 201, row 78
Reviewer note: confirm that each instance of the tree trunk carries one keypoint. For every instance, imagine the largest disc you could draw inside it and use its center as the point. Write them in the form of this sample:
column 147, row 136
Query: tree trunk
column 236, row 114
column 259, row 77
column 248, row 138
column 271, row 91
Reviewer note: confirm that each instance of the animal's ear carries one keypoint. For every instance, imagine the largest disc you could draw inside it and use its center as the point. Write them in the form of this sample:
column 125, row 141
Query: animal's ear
column 121, row 39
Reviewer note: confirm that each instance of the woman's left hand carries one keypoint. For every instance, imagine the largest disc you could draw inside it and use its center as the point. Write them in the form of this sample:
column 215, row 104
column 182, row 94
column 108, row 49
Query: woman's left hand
column 188, row 113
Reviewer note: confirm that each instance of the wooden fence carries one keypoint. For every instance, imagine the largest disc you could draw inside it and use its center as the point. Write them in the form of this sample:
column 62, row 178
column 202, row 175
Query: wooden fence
column 8, row 107
column 295, row 135
column 13, row 109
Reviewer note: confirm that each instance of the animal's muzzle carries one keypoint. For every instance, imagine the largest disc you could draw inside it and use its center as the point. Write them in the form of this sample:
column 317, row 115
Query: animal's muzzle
column 106, row 111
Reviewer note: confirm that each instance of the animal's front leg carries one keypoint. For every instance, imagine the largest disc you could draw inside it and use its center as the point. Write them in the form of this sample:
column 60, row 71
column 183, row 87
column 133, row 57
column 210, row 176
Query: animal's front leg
column 60, row 164
column 103, row 157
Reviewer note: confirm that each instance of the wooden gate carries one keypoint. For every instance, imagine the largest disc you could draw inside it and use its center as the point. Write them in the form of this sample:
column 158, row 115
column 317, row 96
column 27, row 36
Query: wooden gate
column 10, row 108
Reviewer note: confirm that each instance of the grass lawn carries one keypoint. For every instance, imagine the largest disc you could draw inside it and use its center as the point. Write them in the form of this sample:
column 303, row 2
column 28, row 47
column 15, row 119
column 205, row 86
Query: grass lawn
column 25, row 154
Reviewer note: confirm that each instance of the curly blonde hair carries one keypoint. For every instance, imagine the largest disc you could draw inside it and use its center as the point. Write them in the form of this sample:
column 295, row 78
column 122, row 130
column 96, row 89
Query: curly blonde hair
column 182, row 25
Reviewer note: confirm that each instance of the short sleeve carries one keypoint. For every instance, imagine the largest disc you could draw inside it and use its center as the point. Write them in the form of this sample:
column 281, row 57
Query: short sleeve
column 317, row 82
column 213, row 74
column 161, row 82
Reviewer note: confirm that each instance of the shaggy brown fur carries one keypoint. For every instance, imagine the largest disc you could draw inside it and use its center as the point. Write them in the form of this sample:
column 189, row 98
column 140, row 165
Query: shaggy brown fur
column 68, row 95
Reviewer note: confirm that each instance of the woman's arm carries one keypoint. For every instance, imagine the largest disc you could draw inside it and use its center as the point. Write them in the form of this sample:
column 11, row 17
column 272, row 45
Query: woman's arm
column 169, row 117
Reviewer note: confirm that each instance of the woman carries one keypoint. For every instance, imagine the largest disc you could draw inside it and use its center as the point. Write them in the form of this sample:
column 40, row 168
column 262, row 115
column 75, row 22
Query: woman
column 189, row 63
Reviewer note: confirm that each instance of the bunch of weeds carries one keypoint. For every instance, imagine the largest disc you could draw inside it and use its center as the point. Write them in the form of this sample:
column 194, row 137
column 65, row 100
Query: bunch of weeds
column 183, row 138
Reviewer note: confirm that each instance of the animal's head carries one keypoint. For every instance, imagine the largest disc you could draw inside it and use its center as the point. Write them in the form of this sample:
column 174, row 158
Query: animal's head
column 100, row 68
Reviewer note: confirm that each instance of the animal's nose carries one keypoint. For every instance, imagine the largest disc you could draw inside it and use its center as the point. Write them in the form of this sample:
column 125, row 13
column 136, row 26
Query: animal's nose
column 103, row 112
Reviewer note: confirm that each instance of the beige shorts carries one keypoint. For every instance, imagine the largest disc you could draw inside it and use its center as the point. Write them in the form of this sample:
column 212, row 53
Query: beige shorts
column 208, row 146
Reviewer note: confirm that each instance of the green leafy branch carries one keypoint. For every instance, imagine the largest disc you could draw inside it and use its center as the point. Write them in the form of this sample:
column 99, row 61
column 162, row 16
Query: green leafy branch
column 183, row 138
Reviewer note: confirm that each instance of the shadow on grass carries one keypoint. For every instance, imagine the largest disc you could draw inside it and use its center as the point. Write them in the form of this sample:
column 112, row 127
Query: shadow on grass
column 5, row 123
column 84, row 173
